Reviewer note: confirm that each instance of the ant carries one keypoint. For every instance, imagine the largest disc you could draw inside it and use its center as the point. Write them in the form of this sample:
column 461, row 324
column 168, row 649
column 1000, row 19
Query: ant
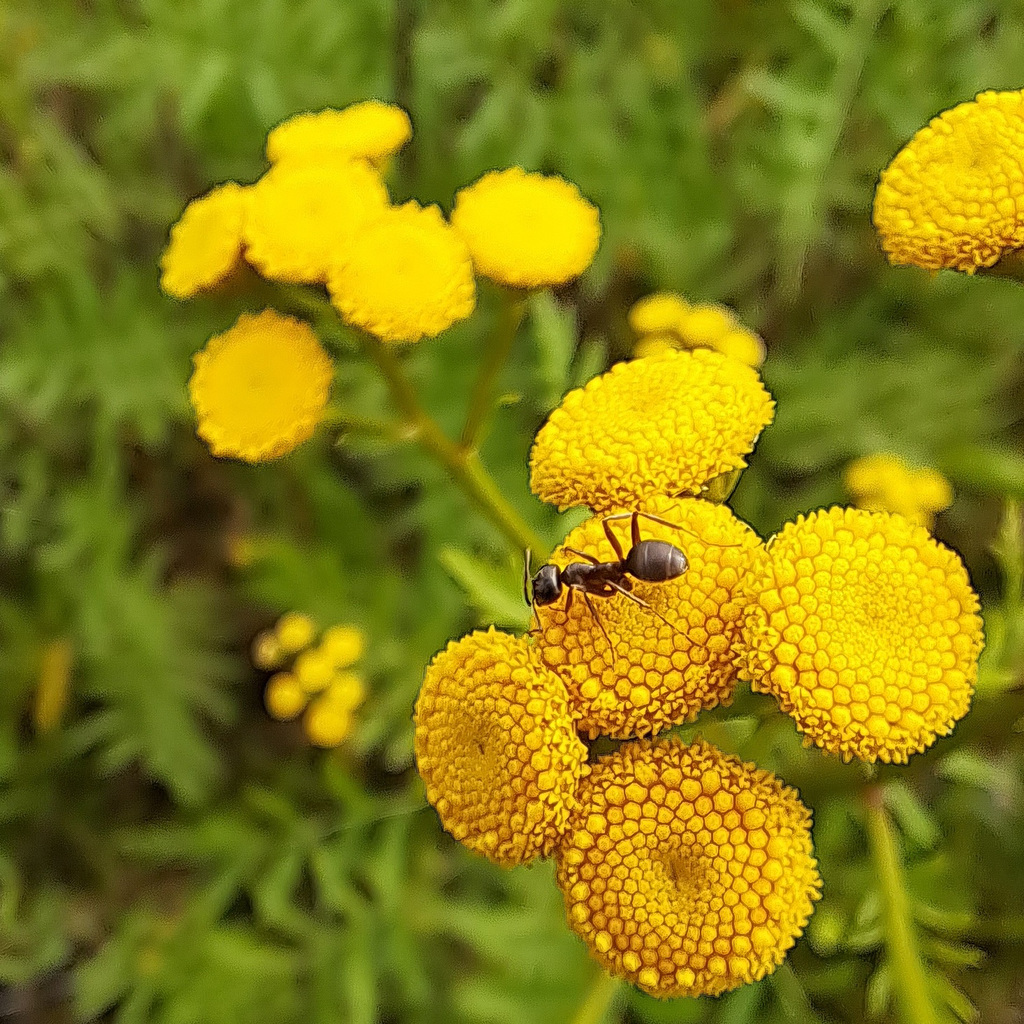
column 650, row 561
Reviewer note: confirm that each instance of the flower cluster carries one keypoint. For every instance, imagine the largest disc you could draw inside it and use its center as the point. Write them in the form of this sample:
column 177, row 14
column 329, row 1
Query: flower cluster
column 953, row 197
column 666, row 321
column 885, row 483
column 321, row 215
column 312, row 678
column 683, row 869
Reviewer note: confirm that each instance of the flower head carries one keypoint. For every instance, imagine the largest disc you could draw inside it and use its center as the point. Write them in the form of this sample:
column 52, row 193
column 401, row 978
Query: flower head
column 954, row 195
column 259, row 389
column 408, row 277
column 329, row 717
column 527, row 230
column 372, row 130
column 294, row 631
column 206, row 242
column 866, row 631
column 665, row 320
column 497, row 747
column 663, row 425
column 885, row 483
column 303, row 217
column 632, row 670
column 685, row 870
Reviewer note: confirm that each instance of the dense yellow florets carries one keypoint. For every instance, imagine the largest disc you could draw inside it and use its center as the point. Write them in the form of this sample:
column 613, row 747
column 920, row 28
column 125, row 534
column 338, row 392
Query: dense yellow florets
column 634, row 671
column 408, row 277
column 527, row 230
column 371, row 129
column 663, row 425
column 664, row 321
column 685, row 870
column 954, row 195
column 866, row 631
column 885, row 483
column 260, row 388
column 497, row 747
column 206, row 243
column 305, row 217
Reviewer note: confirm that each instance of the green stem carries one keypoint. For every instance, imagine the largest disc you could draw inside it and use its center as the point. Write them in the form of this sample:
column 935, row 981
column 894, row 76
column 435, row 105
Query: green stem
column 367, row 426
column 904, row 957
column 598, row 999
column 463, row 465
column 513, row 305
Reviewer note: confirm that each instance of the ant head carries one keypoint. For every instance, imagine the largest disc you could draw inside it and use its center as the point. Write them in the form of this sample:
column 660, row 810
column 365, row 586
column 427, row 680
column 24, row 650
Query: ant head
column 547, row 584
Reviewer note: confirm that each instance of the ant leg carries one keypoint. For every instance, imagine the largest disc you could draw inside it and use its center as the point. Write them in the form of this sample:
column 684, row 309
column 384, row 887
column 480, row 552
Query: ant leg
column 583, row 554
column 654, row 611
column 597, row 619
column 612, row 539
column 661, row 522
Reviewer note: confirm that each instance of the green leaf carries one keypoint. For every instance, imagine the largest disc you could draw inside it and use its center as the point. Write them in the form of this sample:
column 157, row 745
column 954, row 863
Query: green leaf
column 490, row 589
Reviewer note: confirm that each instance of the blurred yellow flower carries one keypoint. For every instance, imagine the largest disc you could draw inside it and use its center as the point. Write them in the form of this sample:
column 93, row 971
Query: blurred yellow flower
column 266, row 651
column 372, row 130
column 260, row 388
column 206, row 242
column 497, row 747
column 304, row 217
column 527, row 230
column 294, row 631
column 408, row 276
column 954, row 195
column 885, row 483
column 666, row 320
column 634, row 671
column 685, row 870
column 866, row 631
column 344, row 645
column 329, row 719
column 662, row 425
column 284, row 696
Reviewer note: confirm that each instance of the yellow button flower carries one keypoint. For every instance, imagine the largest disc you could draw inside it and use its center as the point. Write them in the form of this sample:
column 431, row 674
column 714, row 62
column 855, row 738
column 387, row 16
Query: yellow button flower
column 497, row 748
column 284, row 696
column 885, row 483
column 527, row 230
column 266, row 651
column 328, row 720
column 866, row 631
column 206, row 243
column 663, row 425
column 304, row 217
column 344, row 645
column 685, row 870
column 371, row 129
column 634, row 671
column 259, row 389
column 665, row 320
column 408, row 276
column 954, row 195
column 294, row 631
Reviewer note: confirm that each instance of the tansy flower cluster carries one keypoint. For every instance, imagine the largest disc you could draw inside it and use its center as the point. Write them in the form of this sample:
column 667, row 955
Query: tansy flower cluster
column 953, row 197
column 886, row 483
column 312, row 677
column 685, row 870
column 321, row 216
column 665, row 321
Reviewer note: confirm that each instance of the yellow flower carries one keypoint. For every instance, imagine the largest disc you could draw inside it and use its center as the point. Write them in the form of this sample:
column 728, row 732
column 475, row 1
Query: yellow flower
column 659, row 313
column 954, row 195
column 665, row 320
column 866, row 631
column 259, row 389
column 315, row 669
column 371, row 129
column 294, row 631
column 633, row 671
column 668, row 424
column 527, row 230
column 497, row 748
column 344, row 645
column 328, row 720
column 885, row 483
column 408, row 277
column 304, row 217
column 266, row 651
column 206, row 243
column 284, row 696
column 685, row 870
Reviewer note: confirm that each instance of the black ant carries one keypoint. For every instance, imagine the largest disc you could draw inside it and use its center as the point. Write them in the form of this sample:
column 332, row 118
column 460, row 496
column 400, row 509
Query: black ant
column 650, row 561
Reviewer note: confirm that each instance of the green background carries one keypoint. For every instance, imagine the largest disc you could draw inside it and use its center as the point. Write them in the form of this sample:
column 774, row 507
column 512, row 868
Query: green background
column 170, row 854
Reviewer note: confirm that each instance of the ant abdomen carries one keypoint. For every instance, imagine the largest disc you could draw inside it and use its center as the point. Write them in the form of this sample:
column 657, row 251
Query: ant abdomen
column 655, row 561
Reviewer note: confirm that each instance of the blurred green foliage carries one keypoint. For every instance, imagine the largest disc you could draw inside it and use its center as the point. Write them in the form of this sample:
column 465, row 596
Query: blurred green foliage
column 169, row 854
